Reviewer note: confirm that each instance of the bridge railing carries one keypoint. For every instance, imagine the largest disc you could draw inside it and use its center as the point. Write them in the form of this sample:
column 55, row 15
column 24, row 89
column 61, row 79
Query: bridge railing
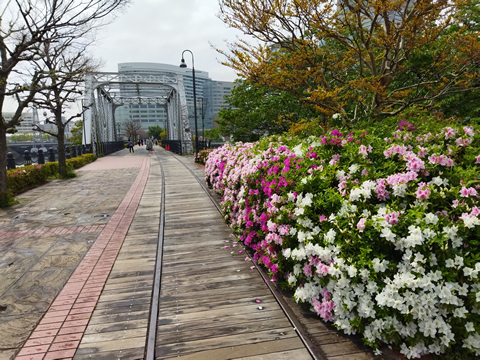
column 178, row 146
column 175, row 146
column 111, row 146
column 40, row 156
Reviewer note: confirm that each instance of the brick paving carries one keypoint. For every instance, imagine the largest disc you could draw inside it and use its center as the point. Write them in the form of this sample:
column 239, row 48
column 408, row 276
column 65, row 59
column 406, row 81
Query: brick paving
column 77, row 300
column 56, row 250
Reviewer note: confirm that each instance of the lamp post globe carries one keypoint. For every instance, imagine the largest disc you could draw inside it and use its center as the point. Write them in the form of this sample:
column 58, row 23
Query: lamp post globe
column 184, row 65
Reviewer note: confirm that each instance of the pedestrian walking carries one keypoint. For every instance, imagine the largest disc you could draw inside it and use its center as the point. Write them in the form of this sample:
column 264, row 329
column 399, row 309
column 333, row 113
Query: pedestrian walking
column 130, row 146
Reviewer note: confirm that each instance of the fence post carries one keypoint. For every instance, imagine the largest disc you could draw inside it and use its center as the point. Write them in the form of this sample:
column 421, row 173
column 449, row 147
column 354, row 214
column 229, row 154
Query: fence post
column 51, row 155
column 79, row 150
column 10, row 161
column 27, row 158
column 41, row 157
column 74, row 151
column 67, row 153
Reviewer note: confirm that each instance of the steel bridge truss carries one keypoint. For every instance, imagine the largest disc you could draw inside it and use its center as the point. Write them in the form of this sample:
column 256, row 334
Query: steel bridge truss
column 104, row 92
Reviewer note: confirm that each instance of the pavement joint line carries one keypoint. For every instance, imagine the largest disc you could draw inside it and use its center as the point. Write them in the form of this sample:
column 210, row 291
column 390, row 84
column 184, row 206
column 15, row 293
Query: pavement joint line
column 75, row 290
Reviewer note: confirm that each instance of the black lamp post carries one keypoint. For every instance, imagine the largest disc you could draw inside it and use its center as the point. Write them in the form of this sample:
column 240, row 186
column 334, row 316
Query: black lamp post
column 184, row 65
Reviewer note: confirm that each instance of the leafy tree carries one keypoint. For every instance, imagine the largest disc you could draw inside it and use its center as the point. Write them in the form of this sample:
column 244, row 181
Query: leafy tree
column 256, row 110
column 163, row 135
column 356, row 57
column 155, row 131
column 77, row 133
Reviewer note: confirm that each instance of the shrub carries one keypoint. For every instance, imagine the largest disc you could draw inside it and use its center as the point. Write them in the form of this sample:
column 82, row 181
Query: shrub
column 379, row 235
column 202, row 156
column 29, row 176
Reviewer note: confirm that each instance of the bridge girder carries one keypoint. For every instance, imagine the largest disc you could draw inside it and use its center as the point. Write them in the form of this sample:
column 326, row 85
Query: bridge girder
column 106, row 91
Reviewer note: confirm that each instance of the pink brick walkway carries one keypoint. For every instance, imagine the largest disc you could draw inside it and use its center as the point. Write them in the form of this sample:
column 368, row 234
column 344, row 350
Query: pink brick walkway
column 59, row 332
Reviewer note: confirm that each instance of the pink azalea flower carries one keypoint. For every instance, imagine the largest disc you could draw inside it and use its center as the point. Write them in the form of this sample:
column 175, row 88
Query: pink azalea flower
column 423, row 192
column 361, row 224
column 464, row 192
column 307, row 270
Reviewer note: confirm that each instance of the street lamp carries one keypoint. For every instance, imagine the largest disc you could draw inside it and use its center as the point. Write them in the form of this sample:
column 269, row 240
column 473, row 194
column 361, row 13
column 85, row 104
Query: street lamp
column 184, row 65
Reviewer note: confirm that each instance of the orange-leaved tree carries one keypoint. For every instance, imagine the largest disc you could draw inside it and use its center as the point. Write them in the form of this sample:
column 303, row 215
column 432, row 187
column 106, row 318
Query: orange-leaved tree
column 362, row 59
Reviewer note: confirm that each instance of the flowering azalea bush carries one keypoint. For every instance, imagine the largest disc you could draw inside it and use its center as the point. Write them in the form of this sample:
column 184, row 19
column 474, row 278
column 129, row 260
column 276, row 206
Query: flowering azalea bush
column 202, row 156
column 379, row 235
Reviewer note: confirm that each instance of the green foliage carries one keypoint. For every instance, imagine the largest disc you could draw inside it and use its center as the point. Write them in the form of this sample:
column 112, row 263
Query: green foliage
column 77, row 132
column 155, row 131
column 214, row 134
column 7, row 199
column 256, row 111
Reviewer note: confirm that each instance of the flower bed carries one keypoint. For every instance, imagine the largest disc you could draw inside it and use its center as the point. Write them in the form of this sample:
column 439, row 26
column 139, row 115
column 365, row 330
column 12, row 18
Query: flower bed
column 378, row 235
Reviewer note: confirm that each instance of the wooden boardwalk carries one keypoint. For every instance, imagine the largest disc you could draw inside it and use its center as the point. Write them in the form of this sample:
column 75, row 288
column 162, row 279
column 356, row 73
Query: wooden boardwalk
column 208, row 304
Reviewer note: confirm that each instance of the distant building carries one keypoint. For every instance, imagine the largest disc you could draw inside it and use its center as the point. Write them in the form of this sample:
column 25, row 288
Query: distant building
column 211, row 92
column 28, row 121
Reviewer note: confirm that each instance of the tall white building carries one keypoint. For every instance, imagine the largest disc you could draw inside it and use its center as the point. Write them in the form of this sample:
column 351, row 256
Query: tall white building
column 211, row 92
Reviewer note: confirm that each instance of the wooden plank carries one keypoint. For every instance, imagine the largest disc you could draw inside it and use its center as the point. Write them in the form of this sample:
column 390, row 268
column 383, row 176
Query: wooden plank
column 299, row 354
column 167, row 325
column 220, row 331
column 109, row 336
column 109, row 327
column 115, row 346
column 127, row 354
column 243, row 350
column 187, row 347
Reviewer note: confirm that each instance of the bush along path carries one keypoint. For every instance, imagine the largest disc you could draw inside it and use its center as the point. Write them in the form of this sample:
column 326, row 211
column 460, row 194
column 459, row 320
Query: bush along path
column 30, row 176
column 379, row 235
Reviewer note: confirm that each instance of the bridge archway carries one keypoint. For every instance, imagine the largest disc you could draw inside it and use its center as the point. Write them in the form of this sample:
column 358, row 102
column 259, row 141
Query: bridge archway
column 106, row 91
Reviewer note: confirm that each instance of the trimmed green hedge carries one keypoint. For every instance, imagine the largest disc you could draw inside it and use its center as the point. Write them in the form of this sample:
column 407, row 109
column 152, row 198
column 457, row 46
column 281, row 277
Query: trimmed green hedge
column 29, row 176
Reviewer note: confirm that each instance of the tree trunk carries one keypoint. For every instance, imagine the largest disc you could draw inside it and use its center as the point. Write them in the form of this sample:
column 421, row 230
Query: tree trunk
column 3, row 159
column 62, row 166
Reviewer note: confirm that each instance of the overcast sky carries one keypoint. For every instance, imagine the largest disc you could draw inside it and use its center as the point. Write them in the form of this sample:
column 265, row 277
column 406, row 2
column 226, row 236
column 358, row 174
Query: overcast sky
column 159, row 30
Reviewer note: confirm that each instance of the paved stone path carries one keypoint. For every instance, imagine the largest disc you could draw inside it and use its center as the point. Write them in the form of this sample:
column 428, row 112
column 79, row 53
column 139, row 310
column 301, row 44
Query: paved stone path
column 44, row 239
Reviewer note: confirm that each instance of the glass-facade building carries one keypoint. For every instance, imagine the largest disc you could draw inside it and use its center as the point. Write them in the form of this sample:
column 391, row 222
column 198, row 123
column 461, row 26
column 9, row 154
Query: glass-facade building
column 210, row 97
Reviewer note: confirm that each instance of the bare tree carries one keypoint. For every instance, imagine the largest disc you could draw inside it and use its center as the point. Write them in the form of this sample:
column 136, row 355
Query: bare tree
column 133, row 129
column 24, row 26
column 65, row 64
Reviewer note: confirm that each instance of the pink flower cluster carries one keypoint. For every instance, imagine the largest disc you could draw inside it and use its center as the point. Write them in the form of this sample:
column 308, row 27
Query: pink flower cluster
column 423, row 192
column 464, row 192
column 364, row 150
column 441, row 160
column 325, row 307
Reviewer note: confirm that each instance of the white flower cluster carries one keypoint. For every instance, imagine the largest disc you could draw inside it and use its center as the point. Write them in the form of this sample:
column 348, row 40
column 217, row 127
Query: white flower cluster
column 365, row 190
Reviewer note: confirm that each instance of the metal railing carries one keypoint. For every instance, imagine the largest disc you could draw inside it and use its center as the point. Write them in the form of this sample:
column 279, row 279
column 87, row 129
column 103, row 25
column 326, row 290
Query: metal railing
column 175, row 146
column 178, row 147
column 111, row 146
column 40, row 156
